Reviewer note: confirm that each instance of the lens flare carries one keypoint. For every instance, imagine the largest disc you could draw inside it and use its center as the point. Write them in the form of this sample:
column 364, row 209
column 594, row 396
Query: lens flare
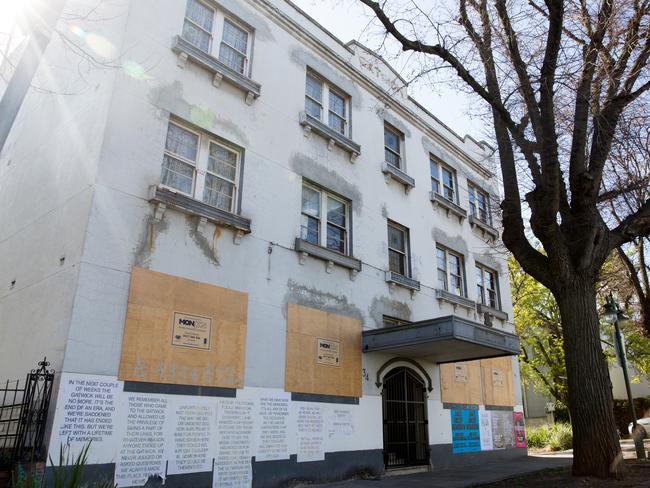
column 202, row 116
column 135, row 71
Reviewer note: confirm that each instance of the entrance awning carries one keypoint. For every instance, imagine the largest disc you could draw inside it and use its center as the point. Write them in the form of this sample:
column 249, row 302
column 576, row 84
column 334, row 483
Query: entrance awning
column 443, row 340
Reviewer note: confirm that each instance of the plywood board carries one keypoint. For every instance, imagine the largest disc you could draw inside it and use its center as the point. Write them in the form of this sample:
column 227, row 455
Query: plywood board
column 498, row 382
column 316, row 342
column 159, row 344
column 461, row 382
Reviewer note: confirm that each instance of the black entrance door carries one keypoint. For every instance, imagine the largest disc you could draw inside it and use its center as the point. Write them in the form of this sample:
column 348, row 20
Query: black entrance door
column 405, row 419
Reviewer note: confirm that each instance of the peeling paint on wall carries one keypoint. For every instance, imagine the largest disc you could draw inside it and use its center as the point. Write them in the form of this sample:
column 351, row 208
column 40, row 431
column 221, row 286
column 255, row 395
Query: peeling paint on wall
column 455, row 243
column 259, row 25
column 169, row 97
column 381, row 306
column 207, row 248
column 304, row 59
column 328, row 302
column 385, row 115
column 147, row 240
column 491, row 261
column 312, row 170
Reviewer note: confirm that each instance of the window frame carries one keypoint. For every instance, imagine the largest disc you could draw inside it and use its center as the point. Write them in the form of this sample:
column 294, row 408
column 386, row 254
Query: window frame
column 474, row 209
column 328, row 87
column 446, row 285
column 406, row 254
column 220, row 16
column 323, row 221
column 201, row 171
column 481, row 295
column 438, row 179
column 400, row 146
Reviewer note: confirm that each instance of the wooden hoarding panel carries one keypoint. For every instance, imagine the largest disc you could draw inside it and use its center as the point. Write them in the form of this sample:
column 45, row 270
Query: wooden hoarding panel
column 461, row 382
column 183, row 332
column 323, row 354
column 498, row 381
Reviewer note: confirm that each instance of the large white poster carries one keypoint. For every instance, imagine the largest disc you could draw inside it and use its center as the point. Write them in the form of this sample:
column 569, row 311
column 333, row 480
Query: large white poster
column 485, row 428
column 235, row 424
column 273, row 438
column 193, row 424
column 310, row 433
column 142, row 450
column 87, row 411
column 341, row 422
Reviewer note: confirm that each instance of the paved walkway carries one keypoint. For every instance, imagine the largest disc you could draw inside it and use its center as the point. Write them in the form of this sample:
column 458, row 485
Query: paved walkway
column 462, row 477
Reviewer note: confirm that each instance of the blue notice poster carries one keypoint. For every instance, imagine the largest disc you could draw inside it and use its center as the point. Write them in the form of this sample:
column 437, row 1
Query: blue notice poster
column 465, row 431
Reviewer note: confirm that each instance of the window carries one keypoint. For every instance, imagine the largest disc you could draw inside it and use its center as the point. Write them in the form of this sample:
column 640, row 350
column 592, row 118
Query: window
column 443, row 180
column 202, row 23
column 479, row 204
column 486, row 287
column 189, row 154
column 319, row 94
column 324, row 219
column 450, row 271
column 392, row 146
column 398, row 249
column 393, row 321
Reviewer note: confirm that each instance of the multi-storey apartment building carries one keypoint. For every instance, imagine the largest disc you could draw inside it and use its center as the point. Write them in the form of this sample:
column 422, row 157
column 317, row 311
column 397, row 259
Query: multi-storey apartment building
column 250, row 257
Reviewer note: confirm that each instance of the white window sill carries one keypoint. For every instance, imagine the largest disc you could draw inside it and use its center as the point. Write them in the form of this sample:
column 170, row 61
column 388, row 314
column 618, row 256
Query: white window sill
column 165, row 197
column 393, row 173
column 310, row 124
column 484, row 227
column 447, row 205
column 219, row 70
column 496, row 313
column 305, row 248
column 401, row 280
column 455, row 299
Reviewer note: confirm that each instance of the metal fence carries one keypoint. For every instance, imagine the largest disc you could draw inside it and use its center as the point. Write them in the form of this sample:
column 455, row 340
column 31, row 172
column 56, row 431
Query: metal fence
column 23, row 416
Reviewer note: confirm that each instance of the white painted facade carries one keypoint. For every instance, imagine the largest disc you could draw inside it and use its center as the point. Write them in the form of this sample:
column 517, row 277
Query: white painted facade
column 77, row 169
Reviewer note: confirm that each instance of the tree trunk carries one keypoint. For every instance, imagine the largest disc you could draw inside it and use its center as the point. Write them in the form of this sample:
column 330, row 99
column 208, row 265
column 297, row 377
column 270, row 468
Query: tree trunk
column 596, row 448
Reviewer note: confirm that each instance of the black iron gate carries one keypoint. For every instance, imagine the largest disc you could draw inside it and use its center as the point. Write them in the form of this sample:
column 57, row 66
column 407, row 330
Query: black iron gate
column 23, row 416
column 405, row 419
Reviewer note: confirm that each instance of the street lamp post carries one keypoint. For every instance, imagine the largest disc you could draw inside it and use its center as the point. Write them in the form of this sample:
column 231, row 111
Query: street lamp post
column 613, row 315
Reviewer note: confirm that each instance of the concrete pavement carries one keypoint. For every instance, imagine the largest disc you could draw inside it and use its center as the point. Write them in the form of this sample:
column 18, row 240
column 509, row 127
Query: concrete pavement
column 462, row 477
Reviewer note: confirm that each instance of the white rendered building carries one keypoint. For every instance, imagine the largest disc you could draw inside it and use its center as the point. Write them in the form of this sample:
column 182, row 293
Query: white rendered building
column 250, row 257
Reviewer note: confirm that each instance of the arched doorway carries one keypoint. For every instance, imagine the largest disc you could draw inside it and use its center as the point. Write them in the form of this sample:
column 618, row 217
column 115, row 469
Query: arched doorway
column 405, row 419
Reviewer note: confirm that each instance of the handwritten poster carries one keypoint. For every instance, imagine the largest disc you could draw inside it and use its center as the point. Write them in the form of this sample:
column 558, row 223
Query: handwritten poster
column 465, row 430
column 273, row 429
column 310, row 433
column 142, row 452
column 485, row 430
column 235, row 424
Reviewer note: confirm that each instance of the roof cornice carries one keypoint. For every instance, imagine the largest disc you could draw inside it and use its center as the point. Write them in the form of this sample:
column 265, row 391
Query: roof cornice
column 303, row 35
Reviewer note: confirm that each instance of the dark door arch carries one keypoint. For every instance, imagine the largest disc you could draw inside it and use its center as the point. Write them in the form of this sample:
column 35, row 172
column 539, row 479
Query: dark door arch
column 405, row 419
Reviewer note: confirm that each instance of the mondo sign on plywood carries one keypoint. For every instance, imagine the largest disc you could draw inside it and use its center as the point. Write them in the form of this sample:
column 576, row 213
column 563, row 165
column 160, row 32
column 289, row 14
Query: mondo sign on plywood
column 328, row 352
column 191, row 331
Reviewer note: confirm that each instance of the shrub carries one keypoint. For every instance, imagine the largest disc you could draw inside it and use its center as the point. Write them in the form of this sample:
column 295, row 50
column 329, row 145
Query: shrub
column 537, row 437
column 561, row 437
column 556, row 437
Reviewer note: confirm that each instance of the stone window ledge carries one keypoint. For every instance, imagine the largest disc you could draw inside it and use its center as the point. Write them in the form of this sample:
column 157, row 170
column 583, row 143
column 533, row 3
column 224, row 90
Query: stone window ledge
column 445, row 204
column 305, row 249
column 219, row 70
column 401, row 280
column 310, row 124
column 496, row 313
column 391, row 172
column 484, row 227
column 164, row 197
column 455, row 299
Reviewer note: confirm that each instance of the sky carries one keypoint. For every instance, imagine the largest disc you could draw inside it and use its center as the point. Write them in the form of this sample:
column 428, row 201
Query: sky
column 347, row 20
